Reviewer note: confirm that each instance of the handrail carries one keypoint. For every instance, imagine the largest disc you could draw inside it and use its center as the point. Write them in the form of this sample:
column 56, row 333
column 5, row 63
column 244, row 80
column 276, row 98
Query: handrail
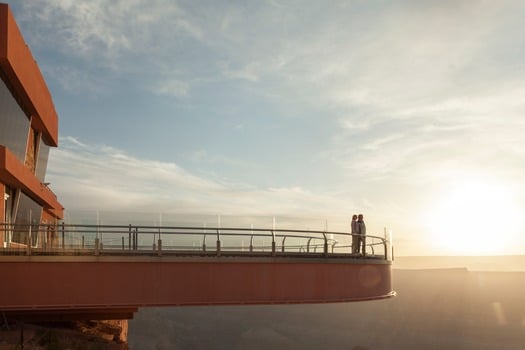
column 111, row 239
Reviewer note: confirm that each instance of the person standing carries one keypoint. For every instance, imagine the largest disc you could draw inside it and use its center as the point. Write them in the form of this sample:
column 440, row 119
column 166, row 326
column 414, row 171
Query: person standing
column 355, row 233
column 362, row 233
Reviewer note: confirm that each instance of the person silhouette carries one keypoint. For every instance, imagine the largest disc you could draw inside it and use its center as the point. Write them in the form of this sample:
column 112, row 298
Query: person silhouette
column 355, row 237
column 362, row 233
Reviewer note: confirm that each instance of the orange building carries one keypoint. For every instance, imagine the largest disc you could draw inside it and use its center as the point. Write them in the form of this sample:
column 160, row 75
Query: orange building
column 28, row 129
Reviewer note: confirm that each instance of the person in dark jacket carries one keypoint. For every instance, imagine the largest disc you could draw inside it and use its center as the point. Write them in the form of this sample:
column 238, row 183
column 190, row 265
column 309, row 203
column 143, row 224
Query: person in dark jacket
column 362, row 233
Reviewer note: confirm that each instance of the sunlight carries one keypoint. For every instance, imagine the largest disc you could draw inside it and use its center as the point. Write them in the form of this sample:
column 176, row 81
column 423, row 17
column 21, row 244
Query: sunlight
column 475, row 218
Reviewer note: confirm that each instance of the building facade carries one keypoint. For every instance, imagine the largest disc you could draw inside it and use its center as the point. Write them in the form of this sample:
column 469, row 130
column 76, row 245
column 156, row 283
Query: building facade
column 28, row 129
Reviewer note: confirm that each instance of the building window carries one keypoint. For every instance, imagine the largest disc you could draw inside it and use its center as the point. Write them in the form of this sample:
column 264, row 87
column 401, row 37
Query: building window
column 32, row 149
column 28, row 216
column 14, row 124
column 41, row 164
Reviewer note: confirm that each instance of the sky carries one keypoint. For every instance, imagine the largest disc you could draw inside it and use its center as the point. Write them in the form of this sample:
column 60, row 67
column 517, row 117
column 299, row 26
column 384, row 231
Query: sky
column 410, row 112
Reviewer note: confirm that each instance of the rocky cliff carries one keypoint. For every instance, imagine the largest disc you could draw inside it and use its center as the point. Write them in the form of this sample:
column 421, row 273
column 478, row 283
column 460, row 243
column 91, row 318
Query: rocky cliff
column 81, row 335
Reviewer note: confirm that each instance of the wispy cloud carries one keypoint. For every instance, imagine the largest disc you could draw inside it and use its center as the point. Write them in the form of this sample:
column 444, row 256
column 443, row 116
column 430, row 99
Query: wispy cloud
column 204, row 156
column 116, row 40
column 101, row 177
column 110, row 29
column 394, row 59
column 172, row 87
column 76, row 81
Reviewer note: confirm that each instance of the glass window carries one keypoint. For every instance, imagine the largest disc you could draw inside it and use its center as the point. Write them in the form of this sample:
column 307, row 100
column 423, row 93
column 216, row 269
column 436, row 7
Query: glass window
column 28, row 215
column 41, row 164
column 31, row 149
column 14, row 124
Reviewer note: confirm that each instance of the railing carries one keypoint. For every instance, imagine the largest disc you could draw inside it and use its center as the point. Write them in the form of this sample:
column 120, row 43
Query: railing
column 66, row 239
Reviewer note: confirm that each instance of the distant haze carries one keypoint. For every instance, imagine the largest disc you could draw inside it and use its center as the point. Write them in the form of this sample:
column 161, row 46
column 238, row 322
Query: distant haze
column 472, row 263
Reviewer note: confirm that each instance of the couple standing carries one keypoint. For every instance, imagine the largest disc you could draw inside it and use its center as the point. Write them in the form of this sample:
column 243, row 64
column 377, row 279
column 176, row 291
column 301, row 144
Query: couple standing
column 358, row 234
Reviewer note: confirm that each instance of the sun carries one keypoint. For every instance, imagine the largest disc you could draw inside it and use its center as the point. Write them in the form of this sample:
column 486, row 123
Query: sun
column 475, row 218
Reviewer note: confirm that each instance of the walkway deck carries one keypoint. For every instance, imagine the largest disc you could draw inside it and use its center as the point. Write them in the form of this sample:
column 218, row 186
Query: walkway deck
column 95, row 283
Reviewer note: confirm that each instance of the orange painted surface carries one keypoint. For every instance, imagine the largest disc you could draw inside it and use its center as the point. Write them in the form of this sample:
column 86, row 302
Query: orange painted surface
column 83, row 283
column 4, row 14
column 25, row 77
column 13, row 173
column 71, row 315
column 48, row 217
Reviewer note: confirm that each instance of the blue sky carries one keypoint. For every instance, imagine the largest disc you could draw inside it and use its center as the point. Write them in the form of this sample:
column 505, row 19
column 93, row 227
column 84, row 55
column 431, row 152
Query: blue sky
column 410, row 112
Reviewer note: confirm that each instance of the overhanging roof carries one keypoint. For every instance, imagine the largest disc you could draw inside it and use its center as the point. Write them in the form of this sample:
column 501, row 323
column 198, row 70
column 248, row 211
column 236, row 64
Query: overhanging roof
column 25, row 79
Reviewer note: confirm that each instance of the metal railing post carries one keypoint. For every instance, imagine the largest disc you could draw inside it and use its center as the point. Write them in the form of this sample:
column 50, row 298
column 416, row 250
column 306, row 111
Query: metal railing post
column 385, row 248
column 308, row 245
column 218, row 243
column 63, row 236
column 129, row 237
column 325, row 250
column 43, row 236
column 282, row 244
column 159, row 242
column 204, row 237
column 97, row 246
column 251, row 238
column 122, row 242
column 82, row 241
column 29, row 242
column 392, row 257
column 273, row 243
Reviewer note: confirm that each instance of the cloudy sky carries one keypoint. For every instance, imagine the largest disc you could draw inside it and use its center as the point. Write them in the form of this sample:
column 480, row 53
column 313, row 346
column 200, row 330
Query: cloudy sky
column 410, row 112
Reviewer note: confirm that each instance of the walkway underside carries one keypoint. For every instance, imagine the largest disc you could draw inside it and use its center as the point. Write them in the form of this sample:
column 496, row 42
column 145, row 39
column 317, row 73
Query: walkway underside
column 109, row 287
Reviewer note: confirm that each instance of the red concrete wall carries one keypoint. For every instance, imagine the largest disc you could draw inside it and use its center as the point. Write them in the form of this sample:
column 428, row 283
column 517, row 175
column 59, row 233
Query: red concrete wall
column 13, row 173
column 102, row 283
column 4, row 10
column 25, row 77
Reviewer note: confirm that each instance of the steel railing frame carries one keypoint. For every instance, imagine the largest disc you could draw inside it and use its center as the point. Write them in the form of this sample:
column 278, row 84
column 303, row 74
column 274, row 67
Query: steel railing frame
column 107, row 239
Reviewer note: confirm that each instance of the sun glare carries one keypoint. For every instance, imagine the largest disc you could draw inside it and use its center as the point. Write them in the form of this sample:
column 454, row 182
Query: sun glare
column 474, row 219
